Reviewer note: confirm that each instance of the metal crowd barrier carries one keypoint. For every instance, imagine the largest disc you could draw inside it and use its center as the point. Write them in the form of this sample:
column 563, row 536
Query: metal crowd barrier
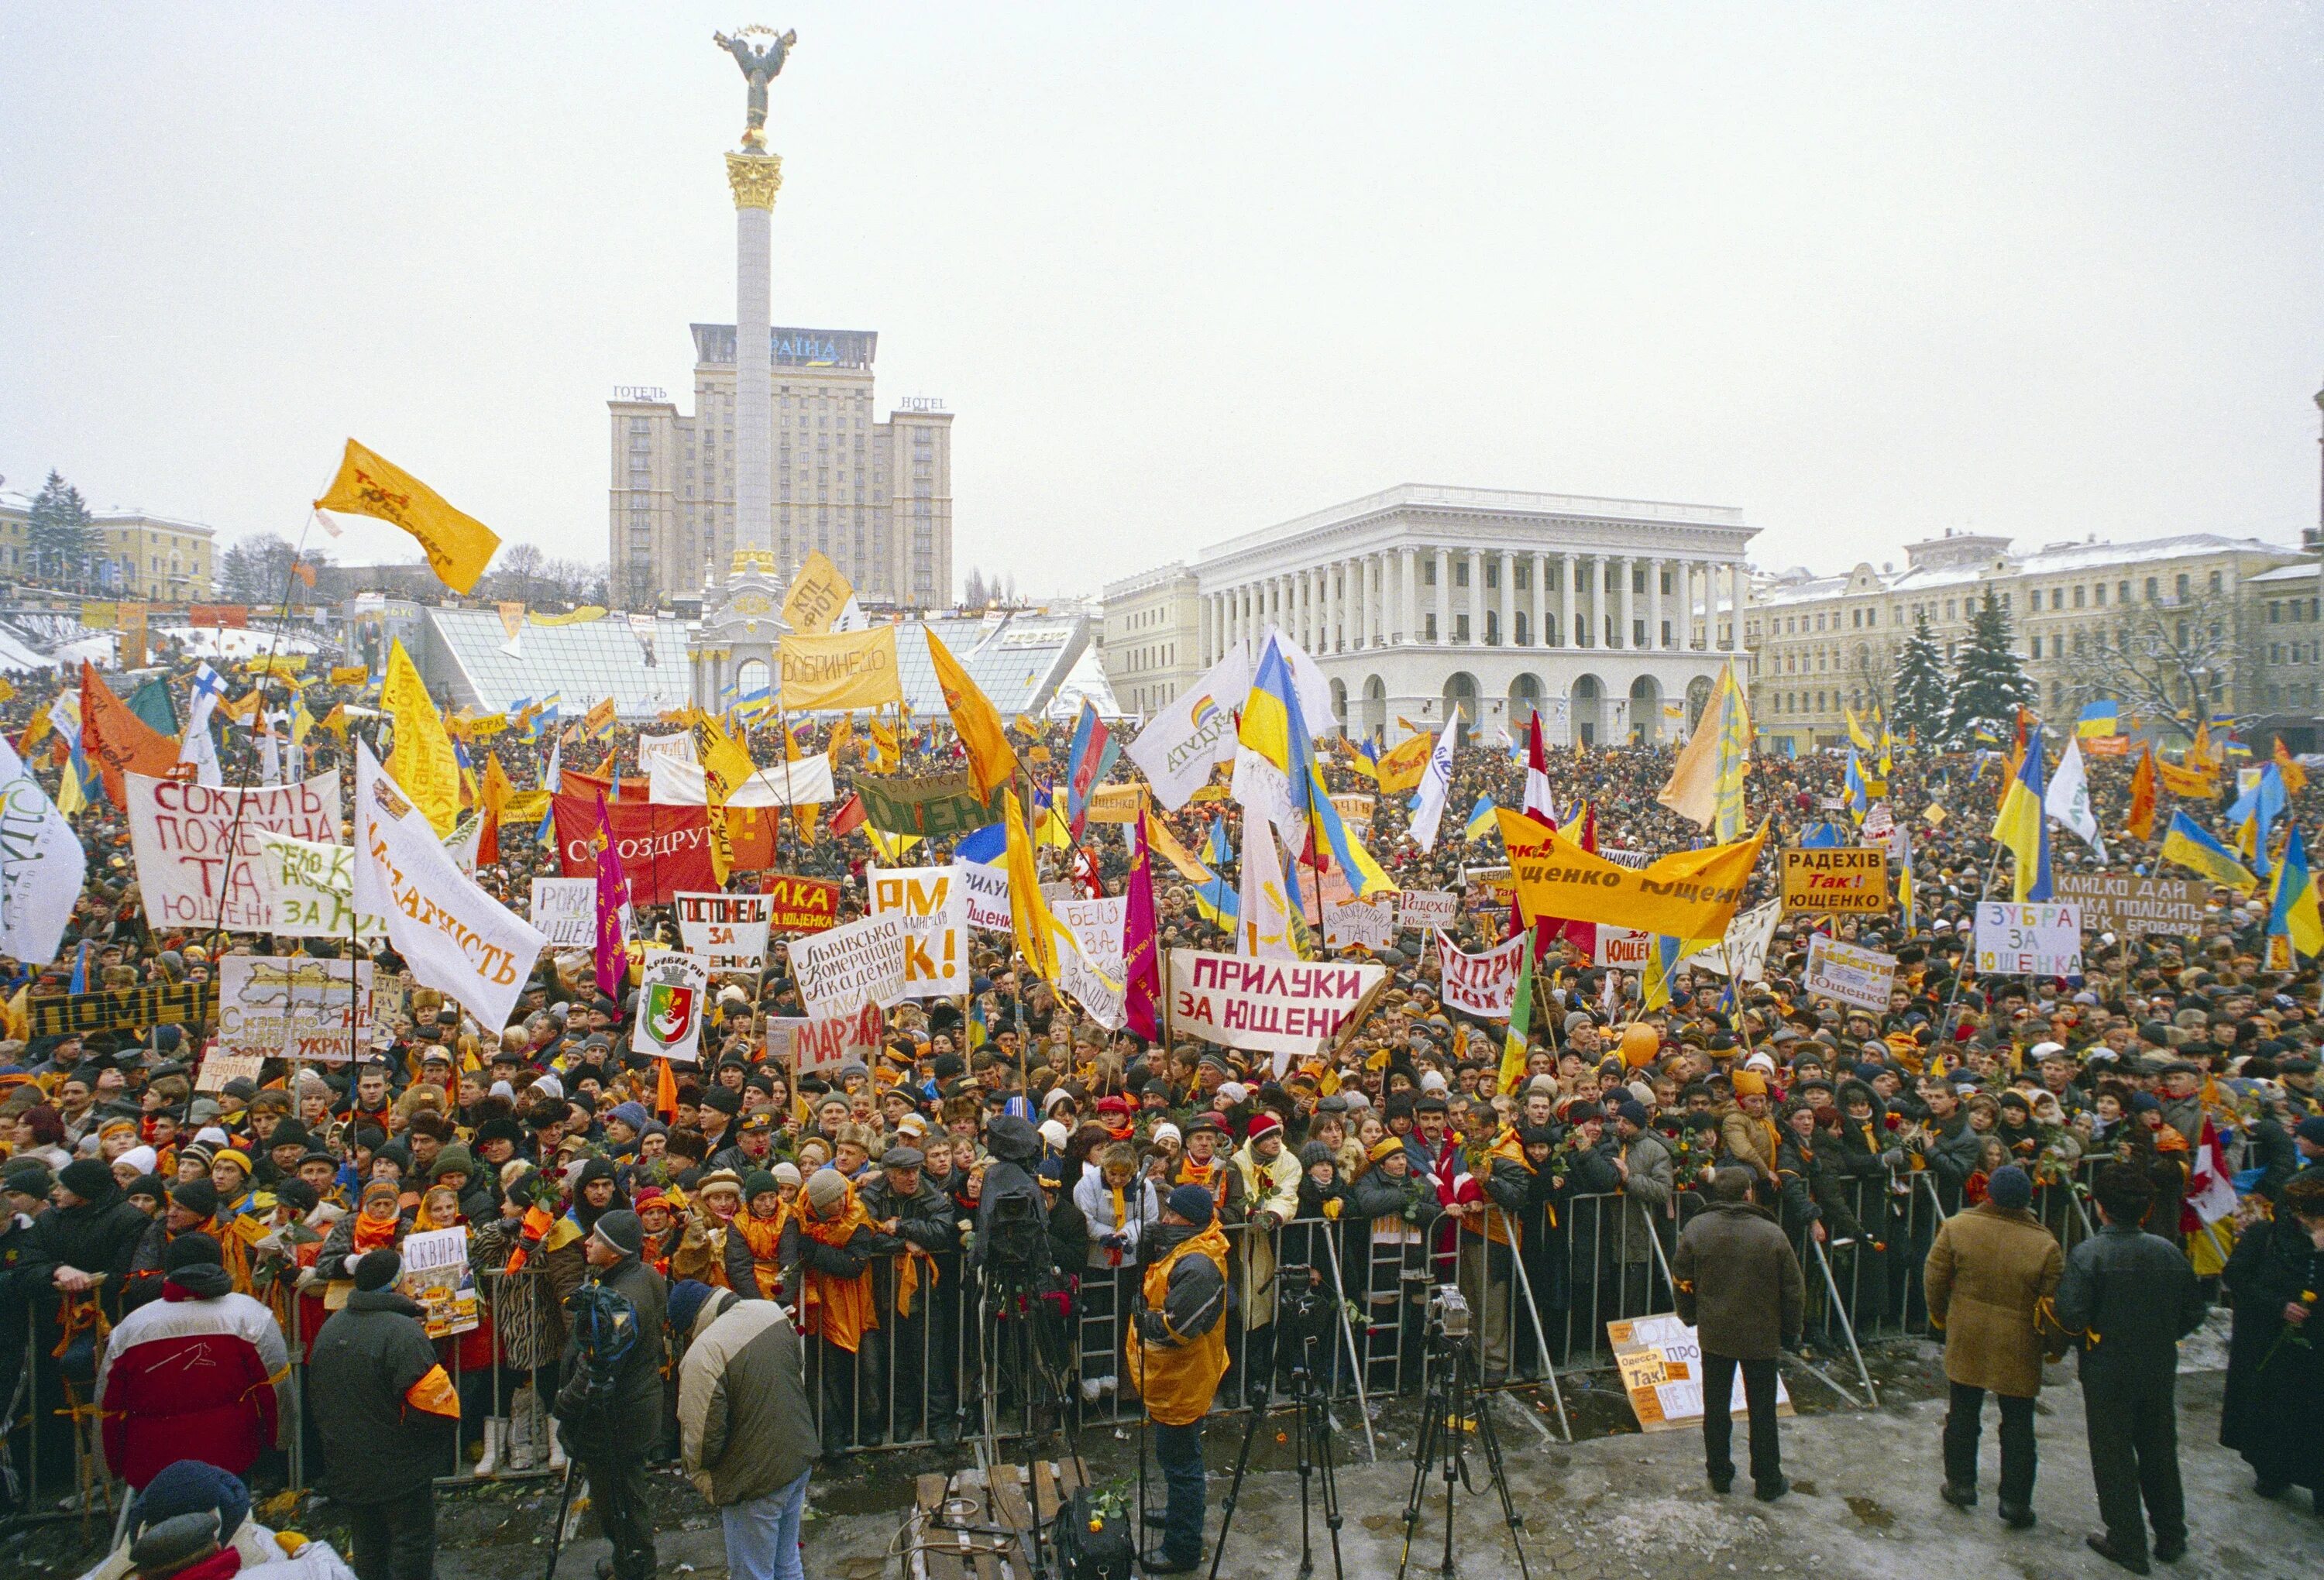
column 1542, row 1287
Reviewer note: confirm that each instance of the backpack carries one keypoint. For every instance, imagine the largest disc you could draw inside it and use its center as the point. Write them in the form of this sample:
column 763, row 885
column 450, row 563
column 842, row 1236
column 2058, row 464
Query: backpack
column 604, row 1326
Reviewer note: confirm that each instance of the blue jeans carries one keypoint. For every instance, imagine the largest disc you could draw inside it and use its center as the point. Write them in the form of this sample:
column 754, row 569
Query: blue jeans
column 1180, row 1451
column 762, row 1536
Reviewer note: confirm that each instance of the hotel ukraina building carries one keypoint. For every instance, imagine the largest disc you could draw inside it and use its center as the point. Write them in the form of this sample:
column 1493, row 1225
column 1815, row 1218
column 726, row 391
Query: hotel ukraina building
column 1610, row 618
column 1613, row 617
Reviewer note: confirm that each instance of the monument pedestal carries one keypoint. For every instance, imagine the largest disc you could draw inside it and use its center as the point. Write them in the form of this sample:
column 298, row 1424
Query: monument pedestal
column 732, row 650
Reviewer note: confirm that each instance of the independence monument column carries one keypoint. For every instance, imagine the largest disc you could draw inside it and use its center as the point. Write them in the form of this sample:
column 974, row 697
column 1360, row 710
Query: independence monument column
column 742, row 629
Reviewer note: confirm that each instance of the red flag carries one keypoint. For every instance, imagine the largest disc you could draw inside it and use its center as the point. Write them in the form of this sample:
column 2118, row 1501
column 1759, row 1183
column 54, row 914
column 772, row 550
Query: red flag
column 850, row 816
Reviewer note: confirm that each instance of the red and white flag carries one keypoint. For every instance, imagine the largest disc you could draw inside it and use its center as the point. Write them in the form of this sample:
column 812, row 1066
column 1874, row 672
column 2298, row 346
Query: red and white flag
column 2211, row 1189
column 1537, row 792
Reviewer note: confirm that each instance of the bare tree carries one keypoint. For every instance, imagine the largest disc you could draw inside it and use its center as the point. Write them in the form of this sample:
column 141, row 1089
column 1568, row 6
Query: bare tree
column 517, row 572
column 2162, row 660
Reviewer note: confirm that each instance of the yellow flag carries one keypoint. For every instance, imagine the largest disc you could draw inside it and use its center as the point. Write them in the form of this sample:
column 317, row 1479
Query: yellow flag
column 301, row 721
column 991, row 762
column 38, row 729
column 7, row 690
column 458, row 547
column 499, row 788
column 336, row 721
column 1029, row 911
column 422, row 761
column 1401, row 766
column 1690, row 894
column 817, row 595
column 841, row 733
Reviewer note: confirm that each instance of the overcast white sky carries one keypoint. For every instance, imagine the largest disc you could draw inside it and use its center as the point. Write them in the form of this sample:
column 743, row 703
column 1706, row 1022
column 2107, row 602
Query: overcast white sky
column 1866, row 271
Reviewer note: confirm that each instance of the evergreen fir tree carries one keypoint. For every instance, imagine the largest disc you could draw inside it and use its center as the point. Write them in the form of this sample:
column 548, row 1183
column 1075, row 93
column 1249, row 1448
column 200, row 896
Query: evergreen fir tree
column 1989, row 685
column 60, row 534
column 1920, row 689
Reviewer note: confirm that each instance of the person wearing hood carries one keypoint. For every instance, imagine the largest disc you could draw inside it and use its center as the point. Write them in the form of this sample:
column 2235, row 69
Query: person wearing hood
column 1177, row 1352
column 746, row 1428
column 612, row 1432
column 1740, row 1286
column 203, row 1367
column 832, row 1242
column 393, row 1421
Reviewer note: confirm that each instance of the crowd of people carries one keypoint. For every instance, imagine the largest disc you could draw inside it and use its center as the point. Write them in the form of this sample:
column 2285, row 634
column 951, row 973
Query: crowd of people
column 844, row 1228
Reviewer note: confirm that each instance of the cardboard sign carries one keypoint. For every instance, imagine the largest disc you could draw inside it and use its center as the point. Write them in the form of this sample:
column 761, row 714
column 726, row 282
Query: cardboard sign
column 157, row 1004
column 565, row 910
column 1284, row 1007
column 671, row 996
column 1661, row 1360
column 1861, row 977
column 2120, row 903
column 1626, row 947
column 799, row 904
column 294, row 1007
column 1745, row 947
column 436, row 1274
column 826, row 1044
column 727, row 932
column 196, row 846
column 1097, row 925
column 2036, row 940
column 839, row 969
column 1369, row 922
column 935, row 806
column 217, row 1068
column 1853, row 880
column 986, row 890
column 932, row 909
column 1355, row 811
column 1426, row 908
column 1482, row 985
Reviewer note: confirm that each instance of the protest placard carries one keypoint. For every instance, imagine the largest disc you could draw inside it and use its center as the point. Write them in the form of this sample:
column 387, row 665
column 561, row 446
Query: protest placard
column 1370, row 923
column 826, row 1044
column 217, row 1068
column 1355, row 811
column 800, row 904
column 195, row 846
column 1482, row 985
column 565, row 910
column 1283, row 1007
column 1425, row 908
column 839, row 969
column 727, row 932
column 1661, row 1361
column 1097, row 925
column 671, row 991
column 932, row 907
column 157, row 1004
column 1860, row 977
column 986, row 890
column 935, row 806
column 1098, row 991
column 309, row 888
column 2118, row 902
column 2036, row 940
column 1848, row 879
column 437, row 1274
column 1626, row 947
column 294, row 1007
column 1745, row 947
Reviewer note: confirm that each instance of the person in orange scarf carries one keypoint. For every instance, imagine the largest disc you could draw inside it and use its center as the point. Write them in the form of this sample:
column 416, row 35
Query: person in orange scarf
column 758, row 1230
column 829, row 1246
column 919, row 1324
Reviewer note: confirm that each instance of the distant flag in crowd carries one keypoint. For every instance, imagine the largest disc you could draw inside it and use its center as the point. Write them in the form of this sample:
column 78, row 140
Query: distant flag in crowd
column 2253, row 815
column 613, row 905
column 1859, row 798
column 2101, row 720
column 1274, row 727
column 1435, row 784
column 2187, row 843
column 1856, row 735
column 2295, row 778
column 1901, row 841
column 2021, row 826
column 1706, row 782
column 2141, row 825
column 1520, row 1027
column 1537, row 798
column 2068, row 798
column 1141, row 955
column 1481, row 820
column 1087, row 763
column 2293, row 912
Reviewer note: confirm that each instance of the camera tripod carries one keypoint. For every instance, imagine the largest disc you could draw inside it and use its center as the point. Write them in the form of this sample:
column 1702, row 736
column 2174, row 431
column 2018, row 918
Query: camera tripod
column 1455, row 1399
column 1010, row 1333
column 1311, row 1434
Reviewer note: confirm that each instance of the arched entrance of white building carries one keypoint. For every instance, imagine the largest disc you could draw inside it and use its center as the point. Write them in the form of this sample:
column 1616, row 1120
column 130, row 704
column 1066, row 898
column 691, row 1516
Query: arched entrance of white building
column 1375, row 705
column 1461, row 714
column 1647, row 709
column 1585, row 712
column 1525, row 702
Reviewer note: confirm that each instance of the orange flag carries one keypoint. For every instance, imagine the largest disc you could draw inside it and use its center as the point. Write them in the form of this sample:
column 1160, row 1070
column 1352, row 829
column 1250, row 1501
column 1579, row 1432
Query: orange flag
column 117, row 740
column 2142, row 796
column 2295, row 778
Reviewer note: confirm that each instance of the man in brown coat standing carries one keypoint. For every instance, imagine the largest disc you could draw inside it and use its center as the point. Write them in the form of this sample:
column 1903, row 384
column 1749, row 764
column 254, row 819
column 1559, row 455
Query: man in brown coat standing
column 1989, row 1273
column 1740, row 1288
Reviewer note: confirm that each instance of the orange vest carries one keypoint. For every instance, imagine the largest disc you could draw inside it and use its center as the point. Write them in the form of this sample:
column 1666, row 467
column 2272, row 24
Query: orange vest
column 1178, row 1381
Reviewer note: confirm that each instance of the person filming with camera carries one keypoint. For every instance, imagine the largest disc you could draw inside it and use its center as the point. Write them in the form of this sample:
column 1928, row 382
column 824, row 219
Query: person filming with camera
column 1176, row 1354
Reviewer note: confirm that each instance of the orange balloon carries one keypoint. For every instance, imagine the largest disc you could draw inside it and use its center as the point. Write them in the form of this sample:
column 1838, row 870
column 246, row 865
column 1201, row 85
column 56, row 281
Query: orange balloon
column 1640, row 1043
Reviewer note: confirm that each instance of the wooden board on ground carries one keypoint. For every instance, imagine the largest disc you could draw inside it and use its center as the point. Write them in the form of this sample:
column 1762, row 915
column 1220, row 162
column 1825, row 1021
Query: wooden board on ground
column 935, row 1549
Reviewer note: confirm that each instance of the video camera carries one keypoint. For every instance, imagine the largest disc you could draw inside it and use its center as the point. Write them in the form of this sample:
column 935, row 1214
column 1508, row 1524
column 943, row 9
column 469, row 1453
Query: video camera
column 1448, row 1312
column 1304, row 1309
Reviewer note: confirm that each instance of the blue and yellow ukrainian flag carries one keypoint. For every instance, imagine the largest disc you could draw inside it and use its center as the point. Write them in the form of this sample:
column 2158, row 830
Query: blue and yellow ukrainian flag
column 2099, row 720
column 1480, row 822
column 2022, row 827
column 1365, row 756
column 1275, row 728
column 1859, row 801
column 2253, row 815
column 2294, row 911
column 2186, row 842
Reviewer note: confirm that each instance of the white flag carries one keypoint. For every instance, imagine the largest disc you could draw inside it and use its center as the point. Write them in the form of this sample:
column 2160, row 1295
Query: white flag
column 1435, row 784
column 41, row 865
column 1265, row 928
column 195, row 743
column 2068, row 798
column 1196, row 731
column 455, row 937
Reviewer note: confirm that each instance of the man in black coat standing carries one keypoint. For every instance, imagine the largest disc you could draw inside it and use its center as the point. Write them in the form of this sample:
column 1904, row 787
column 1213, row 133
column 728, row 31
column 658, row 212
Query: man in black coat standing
column 388, row 1415
column 2133, row 1297
column 1739, row 1287
column 609, row 1411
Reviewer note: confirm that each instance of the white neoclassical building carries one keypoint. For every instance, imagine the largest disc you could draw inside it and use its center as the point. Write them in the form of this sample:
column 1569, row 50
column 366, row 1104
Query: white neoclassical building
column 1612, row 617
